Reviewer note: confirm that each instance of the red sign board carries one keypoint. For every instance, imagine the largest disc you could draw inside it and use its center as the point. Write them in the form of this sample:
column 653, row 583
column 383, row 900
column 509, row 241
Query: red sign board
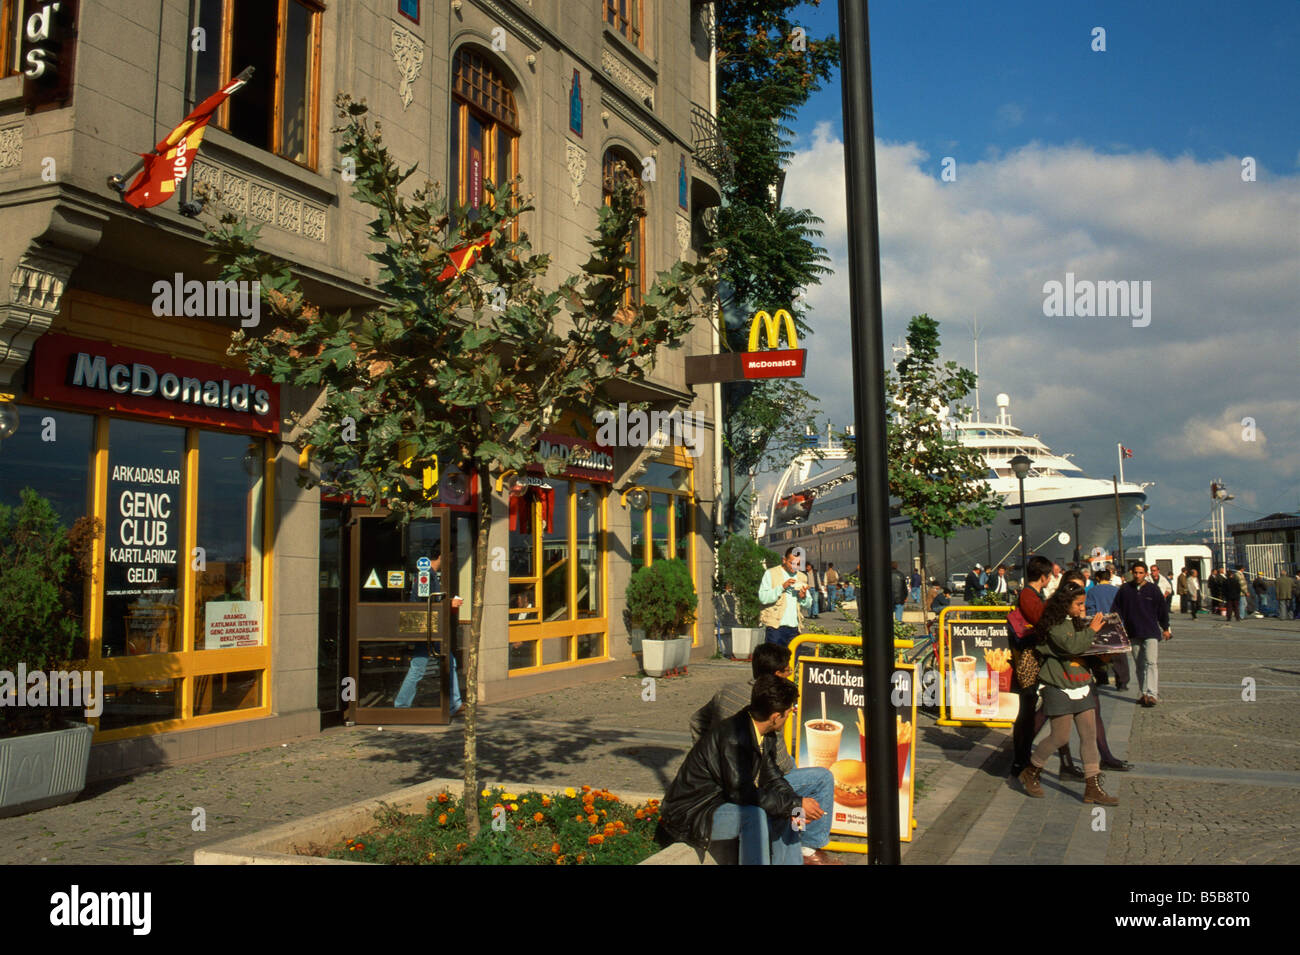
column 106, row 377
column 787, row 363
column 583, row 460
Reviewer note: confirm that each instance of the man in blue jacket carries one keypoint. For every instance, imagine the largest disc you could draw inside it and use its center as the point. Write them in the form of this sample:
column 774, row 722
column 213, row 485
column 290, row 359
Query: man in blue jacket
column 1101, row 599
column 1142, row 608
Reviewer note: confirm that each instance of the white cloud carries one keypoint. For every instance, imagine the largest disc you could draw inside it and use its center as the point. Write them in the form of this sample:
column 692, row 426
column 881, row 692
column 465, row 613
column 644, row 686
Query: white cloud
column 1223, row 258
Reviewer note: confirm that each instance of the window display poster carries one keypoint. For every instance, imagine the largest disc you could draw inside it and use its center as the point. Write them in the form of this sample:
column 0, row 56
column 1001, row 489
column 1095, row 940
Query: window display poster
column 976, row 669
column 831, row 731
column 233, row 623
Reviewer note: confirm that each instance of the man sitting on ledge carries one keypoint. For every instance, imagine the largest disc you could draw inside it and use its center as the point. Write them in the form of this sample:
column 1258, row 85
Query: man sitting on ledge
column 731, row 786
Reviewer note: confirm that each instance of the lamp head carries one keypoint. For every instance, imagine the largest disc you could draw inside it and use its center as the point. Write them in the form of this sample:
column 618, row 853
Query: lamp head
column 1021, row 465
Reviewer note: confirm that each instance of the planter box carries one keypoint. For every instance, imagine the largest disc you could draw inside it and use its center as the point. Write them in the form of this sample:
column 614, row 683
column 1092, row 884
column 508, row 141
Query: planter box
column 682, row 652
column 275, row 846
column 745, row 639
column 660, row 656
column 43, row 769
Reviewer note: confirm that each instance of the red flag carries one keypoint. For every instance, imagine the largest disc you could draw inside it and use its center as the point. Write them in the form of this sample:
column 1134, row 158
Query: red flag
column 1128, row 452
column 464, row 257
column 173, row 156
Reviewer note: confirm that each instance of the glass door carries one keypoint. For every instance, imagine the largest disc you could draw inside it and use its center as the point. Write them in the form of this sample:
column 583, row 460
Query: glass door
column 401, row 614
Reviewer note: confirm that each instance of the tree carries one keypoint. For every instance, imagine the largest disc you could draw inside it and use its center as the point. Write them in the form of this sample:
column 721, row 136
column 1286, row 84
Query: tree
column 767, row 69
column 469, row 366
column 937, row 481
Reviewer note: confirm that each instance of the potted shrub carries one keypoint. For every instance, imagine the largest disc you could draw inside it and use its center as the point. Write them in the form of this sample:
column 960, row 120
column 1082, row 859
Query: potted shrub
column 742, row 561
column 44, row 749
column 661, row 598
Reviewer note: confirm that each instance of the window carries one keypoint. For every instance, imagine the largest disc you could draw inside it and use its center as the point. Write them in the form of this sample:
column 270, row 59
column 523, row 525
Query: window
column 277, row 110
column 625, row 16
column 484, row 130
column 618, row 167
column 409, row 9
column 557, row 573
column 11, row 36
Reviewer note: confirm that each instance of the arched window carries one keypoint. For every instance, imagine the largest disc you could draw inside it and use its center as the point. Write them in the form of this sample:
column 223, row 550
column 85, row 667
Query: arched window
column 619, row 166
column 484, row 129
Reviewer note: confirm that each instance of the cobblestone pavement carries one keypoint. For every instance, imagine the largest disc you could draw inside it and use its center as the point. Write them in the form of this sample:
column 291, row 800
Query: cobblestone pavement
column 1217, row 773
column 1217, row 777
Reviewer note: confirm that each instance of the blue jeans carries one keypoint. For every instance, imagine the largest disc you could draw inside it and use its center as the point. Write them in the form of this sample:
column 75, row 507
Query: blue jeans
column 765, row 840
column 415, row 673
column 781, row 636
column 898, row 612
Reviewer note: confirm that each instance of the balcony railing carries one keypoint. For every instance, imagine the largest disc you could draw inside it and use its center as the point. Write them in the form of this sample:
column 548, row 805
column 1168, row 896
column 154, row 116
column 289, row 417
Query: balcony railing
column 710, row 151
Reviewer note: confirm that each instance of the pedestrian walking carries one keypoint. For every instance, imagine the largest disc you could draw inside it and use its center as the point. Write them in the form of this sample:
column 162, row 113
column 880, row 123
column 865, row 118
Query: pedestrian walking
column 1285, row 588
column 898, row 587
column 1038, row 571
column 1180, row 589
column 916, row 586
column 1262, row 605
column 1166, row 588
column 1233, row 598
column 1062, row 634
column 1193, row 592
column 1141, row 607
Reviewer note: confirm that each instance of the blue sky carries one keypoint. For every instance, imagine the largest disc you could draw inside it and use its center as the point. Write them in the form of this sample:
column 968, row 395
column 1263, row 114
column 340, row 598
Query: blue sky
column 1117, row 165
column 1204, row 78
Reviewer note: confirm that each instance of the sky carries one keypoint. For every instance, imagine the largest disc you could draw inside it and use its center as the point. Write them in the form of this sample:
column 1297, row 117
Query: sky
column 1117, row 165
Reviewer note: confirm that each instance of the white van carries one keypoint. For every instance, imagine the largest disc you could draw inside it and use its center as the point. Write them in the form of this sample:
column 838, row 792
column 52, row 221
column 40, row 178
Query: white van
column 1172, row 558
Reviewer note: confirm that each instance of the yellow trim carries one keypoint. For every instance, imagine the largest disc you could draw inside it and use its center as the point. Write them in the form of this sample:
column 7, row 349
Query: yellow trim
column 268, row 567
column 193, row 722
column 501, row 480
column 945, row 719
column 792, row 725
column 189, row 534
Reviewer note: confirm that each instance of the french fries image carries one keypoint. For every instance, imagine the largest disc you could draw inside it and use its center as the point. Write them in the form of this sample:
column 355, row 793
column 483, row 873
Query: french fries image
column 903, row 731
column 997, row 659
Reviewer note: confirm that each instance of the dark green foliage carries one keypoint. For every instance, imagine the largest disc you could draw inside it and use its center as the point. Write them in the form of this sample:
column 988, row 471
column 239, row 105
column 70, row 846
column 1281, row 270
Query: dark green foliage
column 661, row 598
column 742, row 562
column 939, row 483
column 42, row 570
column 772, row 250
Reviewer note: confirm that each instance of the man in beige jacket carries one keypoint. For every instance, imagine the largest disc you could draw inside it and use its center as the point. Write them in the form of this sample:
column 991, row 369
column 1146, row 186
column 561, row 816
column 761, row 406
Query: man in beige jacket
column 786, row 597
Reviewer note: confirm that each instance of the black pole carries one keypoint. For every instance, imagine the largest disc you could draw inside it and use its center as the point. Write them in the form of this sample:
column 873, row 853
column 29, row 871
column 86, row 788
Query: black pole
column 988, row 539
column 1077, row 555
column 1024, row 534
column 1119, row 531
column 872, row 446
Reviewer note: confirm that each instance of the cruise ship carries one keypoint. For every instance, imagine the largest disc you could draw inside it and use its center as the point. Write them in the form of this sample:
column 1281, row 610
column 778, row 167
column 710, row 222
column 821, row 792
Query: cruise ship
column 815, row 506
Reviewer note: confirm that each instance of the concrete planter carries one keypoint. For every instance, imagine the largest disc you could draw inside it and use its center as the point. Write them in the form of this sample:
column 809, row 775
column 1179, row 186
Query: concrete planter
column 744, row 640
column 277, row 845
column 660, row 656
column 43, row 769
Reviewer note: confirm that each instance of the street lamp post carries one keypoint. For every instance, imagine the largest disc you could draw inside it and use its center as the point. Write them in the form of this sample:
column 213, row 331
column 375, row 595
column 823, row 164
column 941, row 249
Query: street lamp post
column 1076, row 510
column 871, row 457
column 1142, row 513
column 1021, row 465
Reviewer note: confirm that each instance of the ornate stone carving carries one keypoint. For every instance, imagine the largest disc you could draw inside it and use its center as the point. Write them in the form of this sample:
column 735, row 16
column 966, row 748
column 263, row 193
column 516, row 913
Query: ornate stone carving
column 613, row 105
column 576, row 161
column 11, row 147
column 206, row 174
column 501, row 15
column 621, row 74
column 261, row 202
column 289, row 216
column 683, row 234
column 313, row 222
column 235, row 189
column 408, row 54
column 38, row 283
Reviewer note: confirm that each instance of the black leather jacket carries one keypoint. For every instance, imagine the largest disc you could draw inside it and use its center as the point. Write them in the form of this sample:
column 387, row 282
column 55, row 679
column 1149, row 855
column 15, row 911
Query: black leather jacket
column 720, row 769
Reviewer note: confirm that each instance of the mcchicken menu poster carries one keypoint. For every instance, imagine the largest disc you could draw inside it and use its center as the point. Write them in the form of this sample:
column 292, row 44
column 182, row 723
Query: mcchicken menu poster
column 831, row 732
column 977, row 670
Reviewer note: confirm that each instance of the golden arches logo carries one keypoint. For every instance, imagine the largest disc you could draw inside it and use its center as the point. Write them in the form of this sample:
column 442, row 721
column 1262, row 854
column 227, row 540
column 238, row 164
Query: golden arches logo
column 772, row 323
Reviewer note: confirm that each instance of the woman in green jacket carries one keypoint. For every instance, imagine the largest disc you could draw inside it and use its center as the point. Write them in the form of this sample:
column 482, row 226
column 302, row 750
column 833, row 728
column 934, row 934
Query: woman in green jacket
column 1066, row 689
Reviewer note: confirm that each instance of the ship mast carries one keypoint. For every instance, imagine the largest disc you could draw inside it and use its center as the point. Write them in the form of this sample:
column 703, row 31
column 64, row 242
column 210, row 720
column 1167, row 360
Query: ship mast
column 975, row 334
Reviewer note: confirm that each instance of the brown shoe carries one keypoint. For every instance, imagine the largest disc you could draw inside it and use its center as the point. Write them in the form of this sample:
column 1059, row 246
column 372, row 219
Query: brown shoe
column 1029, row 779
column 1096, row 794
column 819, row 857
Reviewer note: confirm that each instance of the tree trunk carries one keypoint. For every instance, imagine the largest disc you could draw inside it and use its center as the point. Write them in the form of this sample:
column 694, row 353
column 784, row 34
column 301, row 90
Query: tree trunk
column 925, row 583
column 472, row 651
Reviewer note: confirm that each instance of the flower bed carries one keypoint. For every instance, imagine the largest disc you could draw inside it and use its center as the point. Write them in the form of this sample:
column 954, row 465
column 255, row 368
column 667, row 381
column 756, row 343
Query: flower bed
column 591, row 827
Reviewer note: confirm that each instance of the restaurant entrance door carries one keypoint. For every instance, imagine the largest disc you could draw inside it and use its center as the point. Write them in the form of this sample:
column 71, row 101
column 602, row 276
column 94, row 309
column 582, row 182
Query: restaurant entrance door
column 400, row 614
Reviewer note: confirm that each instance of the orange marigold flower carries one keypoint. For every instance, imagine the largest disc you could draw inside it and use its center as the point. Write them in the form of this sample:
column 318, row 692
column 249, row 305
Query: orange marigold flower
column 546, row 802
column 442, row 797
column 538, row 817
column 592, row 819
column 460, row 847
column 595, row 840
column 586, row 789
column 578, row 817
column 442, row 818
column 581, row 856
column 555, row 848
column 640, row 814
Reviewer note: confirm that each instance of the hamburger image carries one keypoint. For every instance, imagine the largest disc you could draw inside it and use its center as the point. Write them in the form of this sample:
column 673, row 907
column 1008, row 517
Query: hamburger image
column 850, row 782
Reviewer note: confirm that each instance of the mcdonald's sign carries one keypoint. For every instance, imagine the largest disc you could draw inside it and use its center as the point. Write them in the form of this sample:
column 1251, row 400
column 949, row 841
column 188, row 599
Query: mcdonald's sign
column 776, row 362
